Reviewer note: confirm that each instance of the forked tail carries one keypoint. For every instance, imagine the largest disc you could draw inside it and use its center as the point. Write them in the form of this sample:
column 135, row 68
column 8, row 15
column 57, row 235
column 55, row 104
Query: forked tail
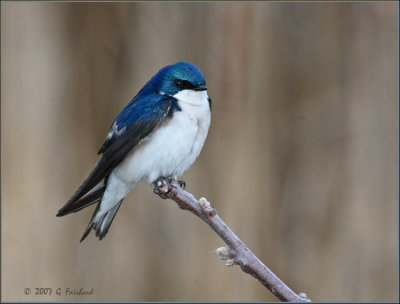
column 101, row 221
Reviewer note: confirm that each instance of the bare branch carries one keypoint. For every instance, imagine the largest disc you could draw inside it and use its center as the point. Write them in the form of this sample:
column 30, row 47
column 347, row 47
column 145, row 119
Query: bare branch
column 237, row 253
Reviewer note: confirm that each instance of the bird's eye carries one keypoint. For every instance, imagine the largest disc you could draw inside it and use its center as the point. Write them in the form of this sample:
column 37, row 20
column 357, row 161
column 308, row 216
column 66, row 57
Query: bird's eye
column 178, row 83
column 183, row 84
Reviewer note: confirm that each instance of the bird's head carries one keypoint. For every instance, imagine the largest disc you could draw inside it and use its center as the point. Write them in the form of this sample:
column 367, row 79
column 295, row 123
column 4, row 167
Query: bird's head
column 177, row 77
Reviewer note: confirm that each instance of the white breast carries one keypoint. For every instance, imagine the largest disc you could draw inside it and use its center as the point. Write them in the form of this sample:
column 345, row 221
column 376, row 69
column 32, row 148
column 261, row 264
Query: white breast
column 173, row 147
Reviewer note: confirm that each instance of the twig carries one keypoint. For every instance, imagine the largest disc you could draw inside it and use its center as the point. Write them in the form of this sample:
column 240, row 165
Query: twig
column 237, row 253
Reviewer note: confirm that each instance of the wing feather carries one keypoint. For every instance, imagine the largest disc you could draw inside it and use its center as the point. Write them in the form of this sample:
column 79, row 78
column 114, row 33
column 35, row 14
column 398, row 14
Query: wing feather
column 116, row 146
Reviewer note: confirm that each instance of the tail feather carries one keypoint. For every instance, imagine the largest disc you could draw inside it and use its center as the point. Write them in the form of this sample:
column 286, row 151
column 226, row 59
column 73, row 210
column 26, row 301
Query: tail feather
column 96, row 178
column 101, row 223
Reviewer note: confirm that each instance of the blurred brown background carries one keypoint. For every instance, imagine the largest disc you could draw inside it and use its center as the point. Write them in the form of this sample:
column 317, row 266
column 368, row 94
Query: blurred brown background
column 300, row 161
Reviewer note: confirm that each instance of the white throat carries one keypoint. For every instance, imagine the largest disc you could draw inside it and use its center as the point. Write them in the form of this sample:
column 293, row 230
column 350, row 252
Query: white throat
column 193, row 98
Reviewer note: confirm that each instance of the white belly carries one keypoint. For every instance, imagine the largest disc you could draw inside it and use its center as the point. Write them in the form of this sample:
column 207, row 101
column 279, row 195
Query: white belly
column 173, row 147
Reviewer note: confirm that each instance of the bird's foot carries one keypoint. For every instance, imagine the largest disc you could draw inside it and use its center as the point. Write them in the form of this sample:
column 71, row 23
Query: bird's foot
column 162, row 186
column 182, row 183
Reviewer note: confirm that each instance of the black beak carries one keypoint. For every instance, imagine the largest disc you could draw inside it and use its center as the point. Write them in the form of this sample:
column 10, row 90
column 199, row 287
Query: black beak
column 200, row 87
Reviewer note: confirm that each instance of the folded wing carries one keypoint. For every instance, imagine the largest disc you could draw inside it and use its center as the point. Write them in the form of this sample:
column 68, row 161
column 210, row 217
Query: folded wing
column 139, row 118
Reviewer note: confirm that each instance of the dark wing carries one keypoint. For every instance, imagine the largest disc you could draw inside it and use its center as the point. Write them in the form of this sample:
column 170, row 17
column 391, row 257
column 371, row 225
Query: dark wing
column 134, row 123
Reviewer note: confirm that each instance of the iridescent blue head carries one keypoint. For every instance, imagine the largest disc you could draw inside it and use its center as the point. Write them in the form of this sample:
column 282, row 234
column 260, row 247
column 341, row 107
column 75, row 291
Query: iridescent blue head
column 177, row 77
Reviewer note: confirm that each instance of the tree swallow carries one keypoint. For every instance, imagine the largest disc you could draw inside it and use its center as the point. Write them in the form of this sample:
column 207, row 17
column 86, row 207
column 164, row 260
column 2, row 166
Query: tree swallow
column 159, row 134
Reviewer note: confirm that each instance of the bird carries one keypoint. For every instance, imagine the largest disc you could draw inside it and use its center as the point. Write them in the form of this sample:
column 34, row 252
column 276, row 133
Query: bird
column 159, row 134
